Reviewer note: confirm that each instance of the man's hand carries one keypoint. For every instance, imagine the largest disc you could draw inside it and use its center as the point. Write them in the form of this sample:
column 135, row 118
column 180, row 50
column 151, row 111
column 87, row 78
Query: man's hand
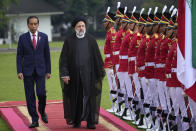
column 48, row 75
column 66, row 80
column 20, row 76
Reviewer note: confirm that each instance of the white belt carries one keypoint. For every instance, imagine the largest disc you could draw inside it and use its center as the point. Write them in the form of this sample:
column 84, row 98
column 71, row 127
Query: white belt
column 142, row 67
column 173, row 69
column 123, row 57
column 132, row 58
column 116, row 53
column 107, row 55
column 160, row 65
column 149, row 63
column 168, row 75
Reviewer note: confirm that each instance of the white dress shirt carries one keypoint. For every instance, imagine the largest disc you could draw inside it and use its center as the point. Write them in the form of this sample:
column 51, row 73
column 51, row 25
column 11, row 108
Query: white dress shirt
column 36, row 36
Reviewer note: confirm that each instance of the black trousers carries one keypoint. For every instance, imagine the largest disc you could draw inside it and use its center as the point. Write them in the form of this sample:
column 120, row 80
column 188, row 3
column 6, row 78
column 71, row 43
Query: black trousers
column 29, row 82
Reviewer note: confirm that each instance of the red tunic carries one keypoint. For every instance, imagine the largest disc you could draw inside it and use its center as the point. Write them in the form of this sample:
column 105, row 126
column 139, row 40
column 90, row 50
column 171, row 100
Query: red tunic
column 110, row 39
column 132, row 52
column 171, row 66
column 140, row 59
column 157, row 56
column 164, row 48
column 119, row 37
column 123, row 61
column 149, row 57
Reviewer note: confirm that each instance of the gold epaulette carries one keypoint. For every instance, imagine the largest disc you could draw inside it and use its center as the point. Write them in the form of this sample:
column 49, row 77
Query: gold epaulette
column 138, row 34
column 156, row 36
column 131, row 32
column 147, row 36
column 163, row 36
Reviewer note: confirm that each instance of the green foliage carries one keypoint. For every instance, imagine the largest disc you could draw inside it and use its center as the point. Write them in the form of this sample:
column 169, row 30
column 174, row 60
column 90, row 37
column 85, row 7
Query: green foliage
column 149, row 4
column 4, row 5
column 73, row 8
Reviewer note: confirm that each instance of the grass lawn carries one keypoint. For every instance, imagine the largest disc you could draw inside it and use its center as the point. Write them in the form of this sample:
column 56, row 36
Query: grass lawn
column 11, row 88
column 58, row 44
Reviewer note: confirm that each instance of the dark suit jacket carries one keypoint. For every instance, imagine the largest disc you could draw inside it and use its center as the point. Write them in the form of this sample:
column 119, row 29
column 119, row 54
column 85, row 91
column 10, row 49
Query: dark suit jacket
column 29, row 59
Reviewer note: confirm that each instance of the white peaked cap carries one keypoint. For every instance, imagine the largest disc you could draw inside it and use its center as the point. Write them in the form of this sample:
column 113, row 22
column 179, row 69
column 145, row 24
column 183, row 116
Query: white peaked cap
column 149, row 10
column 125, row 11
column 171, row 8
column 118, row 4
column 174, row 12
column 164, row 9
column 108, row 9
column 141, row 12
column 155, row 10
column 134, row 8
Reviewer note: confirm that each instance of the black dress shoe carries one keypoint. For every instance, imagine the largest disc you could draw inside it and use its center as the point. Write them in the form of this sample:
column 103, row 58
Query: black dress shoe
column 91, row 126
column 33, row 125
column 76, row 125
column 44, row 118
column 69, row 122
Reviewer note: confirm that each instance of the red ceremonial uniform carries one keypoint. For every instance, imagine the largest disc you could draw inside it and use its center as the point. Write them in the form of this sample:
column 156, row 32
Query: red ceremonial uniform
column 132, row 52
column 123, row 61
column 119, row 37
column 157, row 56
column 140, row 59
column 149, row 56
column 164, row 48
column 171, row 66
column 110, row 40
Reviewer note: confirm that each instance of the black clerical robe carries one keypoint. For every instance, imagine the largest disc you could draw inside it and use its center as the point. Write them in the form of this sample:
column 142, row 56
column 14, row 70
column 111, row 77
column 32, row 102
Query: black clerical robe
column 81, row 60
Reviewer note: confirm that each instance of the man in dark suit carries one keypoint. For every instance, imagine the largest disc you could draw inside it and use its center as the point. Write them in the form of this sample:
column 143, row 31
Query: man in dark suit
column 33, row 66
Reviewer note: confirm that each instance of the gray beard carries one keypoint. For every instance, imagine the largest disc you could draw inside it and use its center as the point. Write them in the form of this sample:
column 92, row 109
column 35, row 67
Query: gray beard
column 80, row 34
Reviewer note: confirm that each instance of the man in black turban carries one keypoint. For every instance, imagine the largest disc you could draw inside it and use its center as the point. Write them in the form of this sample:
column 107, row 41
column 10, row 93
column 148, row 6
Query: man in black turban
column 81, row 73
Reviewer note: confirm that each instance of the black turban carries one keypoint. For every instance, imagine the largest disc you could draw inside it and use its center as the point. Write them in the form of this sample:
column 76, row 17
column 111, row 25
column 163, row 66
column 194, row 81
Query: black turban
column 76, row 20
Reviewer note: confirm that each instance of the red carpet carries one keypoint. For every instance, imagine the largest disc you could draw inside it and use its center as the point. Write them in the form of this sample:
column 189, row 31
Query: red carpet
column 16, row 116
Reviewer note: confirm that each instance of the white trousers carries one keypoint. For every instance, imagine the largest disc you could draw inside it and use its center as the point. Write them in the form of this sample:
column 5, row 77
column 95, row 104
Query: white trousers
column 192, row 107
column 111, row 80
column 144, row 87
column 137, row 85
column 164, row 95
column 178, row 100
column 152, row 96
column 125, row 84
column 178, row 103
column 117, row 66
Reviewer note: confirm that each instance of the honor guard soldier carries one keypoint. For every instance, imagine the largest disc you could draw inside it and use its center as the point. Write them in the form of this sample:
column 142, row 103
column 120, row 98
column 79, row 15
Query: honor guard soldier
column 140, row 60
column 125, row 81
column 109, row 21
column 116, row 49
column 132, row 53
column 152, row 97
column 172, row 82
column 164, row 48
column 119, row 36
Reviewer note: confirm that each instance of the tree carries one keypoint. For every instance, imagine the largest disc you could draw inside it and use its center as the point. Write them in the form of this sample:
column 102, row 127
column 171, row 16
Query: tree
column 4, row 5
column 73, row 8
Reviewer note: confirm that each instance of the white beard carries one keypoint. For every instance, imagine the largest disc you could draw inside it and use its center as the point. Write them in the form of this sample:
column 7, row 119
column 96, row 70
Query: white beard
column 80, row 34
